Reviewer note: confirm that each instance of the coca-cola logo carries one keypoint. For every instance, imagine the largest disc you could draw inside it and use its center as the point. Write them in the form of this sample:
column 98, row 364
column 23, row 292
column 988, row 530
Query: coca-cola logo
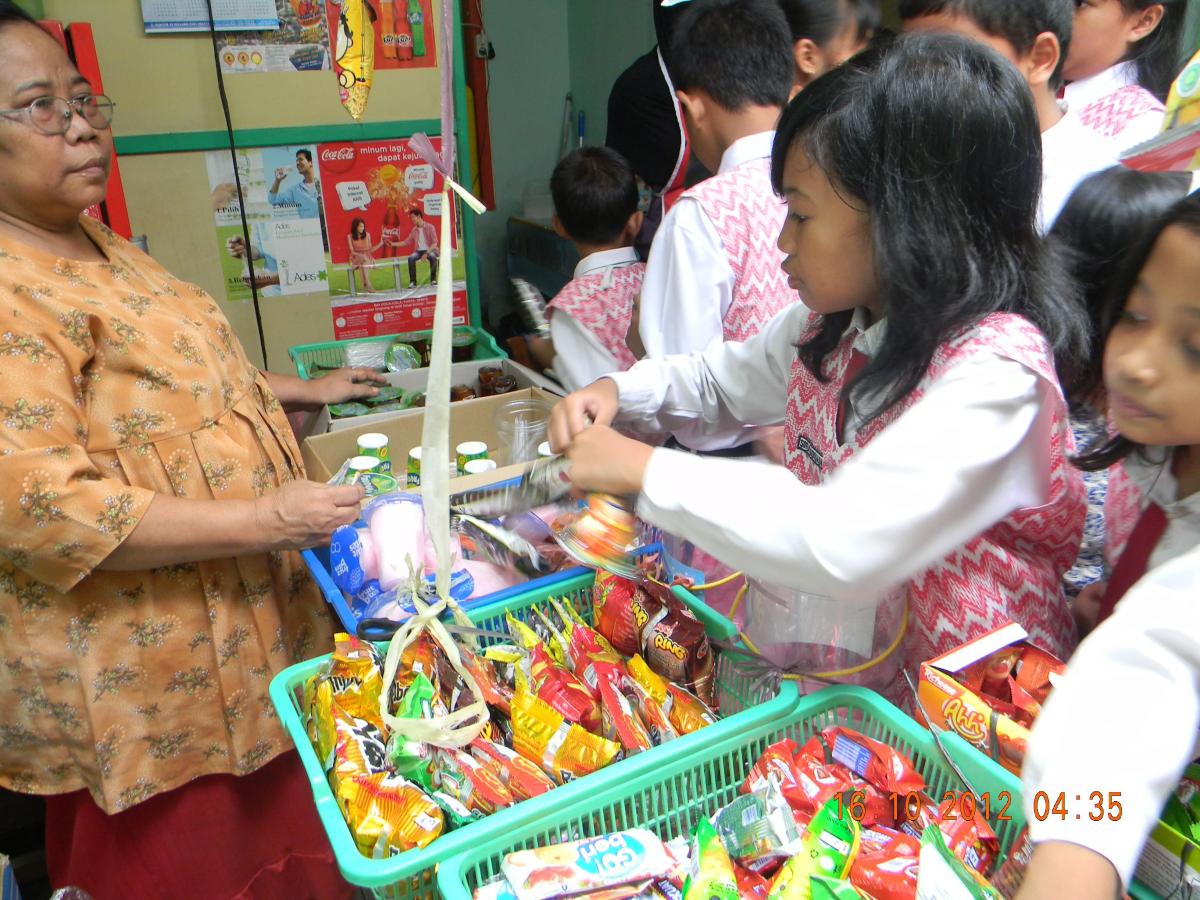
column 328, row 155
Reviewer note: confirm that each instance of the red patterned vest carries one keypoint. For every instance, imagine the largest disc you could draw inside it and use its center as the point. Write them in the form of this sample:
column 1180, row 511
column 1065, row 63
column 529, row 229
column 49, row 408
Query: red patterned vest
column 1109, row 114
column 602, row 302
column 1013, row 570
column 748, row 216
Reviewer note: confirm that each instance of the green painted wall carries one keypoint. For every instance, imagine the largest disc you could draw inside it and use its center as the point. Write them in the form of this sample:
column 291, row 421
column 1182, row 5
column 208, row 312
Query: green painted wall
column 604, row 38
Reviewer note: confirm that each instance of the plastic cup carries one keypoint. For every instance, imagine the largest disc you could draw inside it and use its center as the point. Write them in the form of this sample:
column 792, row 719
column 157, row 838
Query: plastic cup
column 468, row 451
column 375, row 444
column 479, row 466
column 414, row 467
column 521, row 426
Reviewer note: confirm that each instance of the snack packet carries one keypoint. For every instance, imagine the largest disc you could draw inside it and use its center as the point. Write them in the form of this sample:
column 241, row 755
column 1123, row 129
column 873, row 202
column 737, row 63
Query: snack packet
column 750, row 885
column 823, row 888
column 359, row 749
column 419, row 658
column 655, row 718
column 593, row 660
column 687, row 712
column 473, row 784
column 886, row 864
column 880, row 765
column 563, row 750
column 613, row 600
column 454, row 813
column 620, row 722
column 758, row 829
column 565, row 693
column 522, row 778
column 1182, row 809
column 388, row 814
column 1036, row 671
column 712, row 876
column 411, row 758
column 626, row 857
column 355, row 677
column 828, row 848
column 943, row 876
column 676, row 646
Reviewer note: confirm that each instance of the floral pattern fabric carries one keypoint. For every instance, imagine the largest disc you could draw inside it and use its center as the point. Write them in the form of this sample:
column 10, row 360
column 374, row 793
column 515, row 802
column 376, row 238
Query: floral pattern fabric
column 119, row 382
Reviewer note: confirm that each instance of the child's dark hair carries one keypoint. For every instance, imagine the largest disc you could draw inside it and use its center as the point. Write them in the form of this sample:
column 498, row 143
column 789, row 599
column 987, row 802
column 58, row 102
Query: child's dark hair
column 595, row 192
column 1104, row 218
column 1017, row 21
column 1158, row 55
column 354, row 223
column 1186, row 214
column 11, row 14
column 821, row 20
column 739, row 52
column 953, row 232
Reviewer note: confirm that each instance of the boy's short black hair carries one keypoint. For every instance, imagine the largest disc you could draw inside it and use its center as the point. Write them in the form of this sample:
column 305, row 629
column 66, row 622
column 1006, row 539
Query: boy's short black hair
column 739, row 52
column 595, row 192
column 867, row 17
column 305, row 152
column 1017, row 21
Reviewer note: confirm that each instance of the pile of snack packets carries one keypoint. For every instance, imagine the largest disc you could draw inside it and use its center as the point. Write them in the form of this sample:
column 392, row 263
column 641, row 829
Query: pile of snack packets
column 564, row 699
column 840, row 816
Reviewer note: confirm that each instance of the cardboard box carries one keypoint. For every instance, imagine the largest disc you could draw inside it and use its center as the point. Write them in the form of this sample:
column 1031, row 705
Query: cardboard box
column 416, row 380
column 470, row 420
column 951, row 705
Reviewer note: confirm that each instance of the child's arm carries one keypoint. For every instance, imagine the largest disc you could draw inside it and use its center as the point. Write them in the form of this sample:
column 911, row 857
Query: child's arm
column 578, row 357
column 688, row 284
column 1141, row 666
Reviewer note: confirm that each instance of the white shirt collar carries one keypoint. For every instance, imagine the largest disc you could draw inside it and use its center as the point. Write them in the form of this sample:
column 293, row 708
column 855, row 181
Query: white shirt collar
column 605, row 259
column 1082, row 92
column 752, row 146
column 870, row 334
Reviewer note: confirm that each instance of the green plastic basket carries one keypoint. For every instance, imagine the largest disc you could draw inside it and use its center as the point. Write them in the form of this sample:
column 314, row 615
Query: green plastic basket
column 669, row 798
column 333, row 353
column 747, row 705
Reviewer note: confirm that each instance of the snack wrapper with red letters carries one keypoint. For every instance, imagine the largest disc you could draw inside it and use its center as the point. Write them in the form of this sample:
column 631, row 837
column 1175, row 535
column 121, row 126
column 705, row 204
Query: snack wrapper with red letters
column 652, row 714
column 559, row 870
column 476, row 785
column 593, row 659
column 613, row 599
column 886, row 865
column 522, row 778
column 808, row 782
column 621, row 723
column 562, row 749
column 676, row 646
column 388, row 814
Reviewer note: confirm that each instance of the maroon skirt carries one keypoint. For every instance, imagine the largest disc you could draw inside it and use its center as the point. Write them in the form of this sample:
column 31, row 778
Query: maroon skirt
column 256, row 837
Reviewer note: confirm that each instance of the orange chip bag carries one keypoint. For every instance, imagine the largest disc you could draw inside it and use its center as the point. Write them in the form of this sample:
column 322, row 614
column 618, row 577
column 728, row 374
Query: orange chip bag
column 1034, row 669
column 474, row 784
column 419, row 658
column 886, row 864
column 593, row 659
column 621, row 723
column 564, row 692
column 355, row 678
column 522, row 777
column 687, row 712
column 655, row 717
column 388, row 814
column 563, row 750
column 619, row 604
column 494, row 690
column 359, row 749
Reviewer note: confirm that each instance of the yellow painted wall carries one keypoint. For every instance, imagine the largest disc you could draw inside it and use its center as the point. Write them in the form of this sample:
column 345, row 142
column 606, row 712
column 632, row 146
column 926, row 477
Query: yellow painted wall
column 166, row 84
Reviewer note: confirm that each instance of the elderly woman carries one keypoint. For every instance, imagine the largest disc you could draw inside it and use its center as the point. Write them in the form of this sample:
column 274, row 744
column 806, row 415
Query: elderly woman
column 152, row 501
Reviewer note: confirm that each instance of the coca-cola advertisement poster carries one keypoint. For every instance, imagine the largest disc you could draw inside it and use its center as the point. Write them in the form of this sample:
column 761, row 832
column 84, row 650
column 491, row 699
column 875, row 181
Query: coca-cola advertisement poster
column 405, row 32
column 383, row 214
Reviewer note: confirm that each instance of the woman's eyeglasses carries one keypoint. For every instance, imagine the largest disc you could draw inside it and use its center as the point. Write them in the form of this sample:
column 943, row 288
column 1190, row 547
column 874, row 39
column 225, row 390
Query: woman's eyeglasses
column 52, row 115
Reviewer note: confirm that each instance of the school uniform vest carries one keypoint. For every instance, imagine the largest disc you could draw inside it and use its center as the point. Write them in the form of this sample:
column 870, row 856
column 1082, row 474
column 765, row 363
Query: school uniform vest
column 1123, row 506
column 1014, row 569
column 602, row 302
column 748, row 215
column 1108, row 115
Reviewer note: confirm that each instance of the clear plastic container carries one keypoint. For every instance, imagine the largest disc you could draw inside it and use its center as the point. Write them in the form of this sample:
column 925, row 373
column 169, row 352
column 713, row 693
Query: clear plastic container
column 839, row 640
column 521, row 426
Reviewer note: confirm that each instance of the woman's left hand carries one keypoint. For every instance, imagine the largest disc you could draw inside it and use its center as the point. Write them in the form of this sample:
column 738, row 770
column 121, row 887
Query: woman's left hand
column 606, row 461
column 346, row 384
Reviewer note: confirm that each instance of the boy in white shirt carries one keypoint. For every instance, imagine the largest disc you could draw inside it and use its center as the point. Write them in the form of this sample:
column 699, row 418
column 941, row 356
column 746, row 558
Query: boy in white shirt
column 714, row 271
column 1140, row 666
column 1033, row 35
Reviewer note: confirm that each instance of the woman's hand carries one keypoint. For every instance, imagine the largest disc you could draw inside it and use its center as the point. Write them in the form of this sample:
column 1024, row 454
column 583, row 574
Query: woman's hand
column 345, row 384
column 603, row 460
column 599, row 402
column 304, row 513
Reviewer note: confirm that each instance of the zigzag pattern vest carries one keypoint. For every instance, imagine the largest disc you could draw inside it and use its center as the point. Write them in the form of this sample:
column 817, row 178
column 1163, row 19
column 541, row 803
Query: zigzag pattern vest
column 1110, row 114
column 748, row 216
column 602, row 302
column 1014, row 569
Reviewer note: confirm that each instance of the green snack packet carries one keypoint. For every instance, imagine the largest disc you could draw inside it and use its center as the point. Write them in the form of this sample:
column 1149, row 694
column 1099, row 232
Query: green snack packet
column 400, row 357
column 833, row 889
column 387, row 394
column 1182, row 811
column 943, row 876
column 711, row 877
column 456, row 814
column 827, row 849
column 758, row 828
column 346, row 410
column 414, row 759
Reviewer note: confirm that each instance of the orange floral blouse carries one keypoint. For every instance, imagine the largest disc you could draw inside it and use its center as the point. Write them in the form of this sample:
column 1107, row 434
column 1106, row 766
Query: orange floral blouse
column 117, row 382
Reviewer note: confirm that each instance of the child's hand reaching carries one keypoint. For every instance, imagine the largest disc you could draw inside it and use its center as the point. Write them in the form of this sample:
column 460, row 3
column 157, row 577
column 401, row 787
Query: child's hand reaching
column 598, row 402
column 604, row 460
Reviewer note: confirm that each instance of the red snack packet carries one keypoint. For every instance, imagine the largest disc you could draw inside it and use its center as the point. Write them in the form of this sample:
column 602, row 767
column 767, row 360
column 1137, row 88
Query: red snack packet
column 886, row 865
column 880, row 765
column 989, row 675
column 565, row 693
column 613, row 601
column 775, row 762
column 494, row 690
column 750, row 884
column 621, row 723
column 971, row 840
column 1034, row 669
column 1024, row 701
column 472, row 783
column 523, row 778
column 652, row 713
column 594, row 659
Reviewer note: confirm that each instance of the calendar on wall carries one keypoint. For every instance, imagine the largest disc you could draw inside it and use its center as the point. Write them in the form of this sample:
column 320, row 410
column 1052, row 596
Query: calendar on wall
column 160, row 16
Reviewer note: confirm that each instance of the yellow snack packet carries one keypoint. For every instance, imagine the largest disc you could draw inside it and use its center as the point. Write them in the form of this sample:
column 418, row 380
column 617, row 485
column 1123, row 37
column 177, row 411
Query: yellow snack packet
column 388, row 814
column 562, row 749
